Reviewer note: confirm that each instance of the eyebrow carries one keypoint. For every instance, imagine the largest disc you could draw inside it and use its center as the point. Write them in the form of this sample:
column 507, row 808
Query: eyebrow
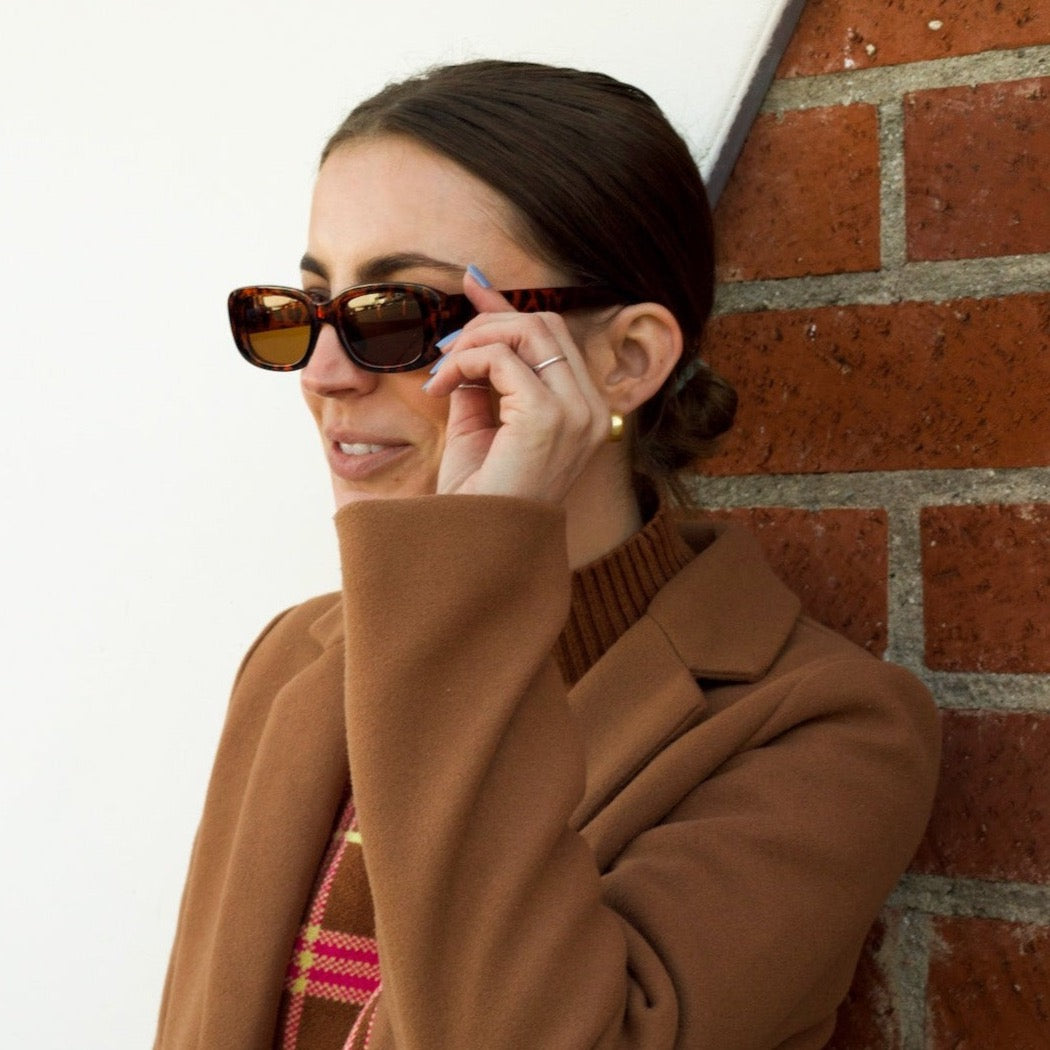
column 308, row 264
column 383, row 267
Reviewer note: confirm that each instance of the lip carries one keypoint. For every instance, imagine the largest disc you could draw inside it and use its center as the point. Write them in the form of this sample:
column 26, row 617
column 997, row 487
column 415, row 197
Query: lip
column 357, row 467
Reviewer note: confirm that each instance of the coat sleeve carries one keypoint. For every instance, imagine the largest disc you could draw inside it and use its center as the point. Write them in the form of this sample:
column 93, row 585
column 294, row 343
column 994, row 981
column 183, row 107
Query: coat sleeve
column 496, row 928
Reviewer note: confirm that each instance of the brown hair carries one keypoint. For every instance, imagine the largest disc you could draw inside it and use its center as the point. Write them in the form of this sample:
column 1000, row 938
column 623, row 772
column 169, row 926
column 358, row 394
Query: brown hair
column 604, row 188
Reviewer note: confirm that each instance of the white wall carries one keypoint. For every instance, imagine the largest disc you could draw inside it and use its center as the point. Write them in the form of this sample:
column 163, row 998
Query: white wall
column 160, row 499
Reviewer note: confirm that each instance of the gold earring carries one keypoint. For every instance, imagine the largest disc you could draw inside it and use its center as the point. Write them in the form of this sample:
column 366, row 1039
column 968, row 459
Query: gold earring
column 616, row 426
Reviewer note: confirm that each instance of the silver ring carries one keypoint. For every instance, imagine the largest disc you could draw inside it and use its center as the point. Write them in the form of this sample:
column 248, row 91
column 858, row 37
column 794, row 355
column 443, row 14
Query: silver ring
column 550, row 361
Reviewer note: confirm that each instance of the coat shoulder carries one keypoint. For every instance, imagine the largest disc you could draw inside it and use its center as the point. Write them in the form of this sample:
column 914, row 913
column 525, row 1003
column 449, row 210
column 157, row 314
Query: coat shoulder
column 292, row 638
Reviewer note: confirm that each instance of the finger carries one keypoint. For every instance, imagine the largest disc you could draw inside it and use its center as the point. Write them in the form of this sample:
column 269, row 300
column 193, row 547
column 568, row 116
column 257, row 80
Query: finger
column 538, row 339
column 473, row 405
column 482, row 295
column 488, row 301
column 521, row 394
column 495, row 365
column 566, row 384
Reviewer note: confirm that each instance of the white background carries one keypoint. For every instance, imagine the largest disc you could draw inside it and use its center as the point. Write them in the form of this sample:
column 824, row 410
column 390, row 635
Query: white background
column 161, row 500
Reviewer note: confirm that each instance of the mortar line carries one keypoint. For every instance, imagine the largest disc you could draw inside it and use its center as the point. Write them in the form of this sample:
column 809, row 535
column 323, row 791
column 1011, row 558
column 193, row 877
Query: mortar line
column 879, row 84
column 900, row 489
column 905, row 627
column 892, row 229
column 956, row 897
column 915, row 971
column 987, row 691
column 938, row 281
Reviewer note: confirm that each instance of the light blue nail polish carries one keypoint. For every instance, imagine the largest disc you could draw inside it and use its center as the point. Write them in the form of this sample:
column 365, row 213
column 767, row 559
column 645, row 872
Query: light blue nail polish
column 445, row 340
column 479, row 276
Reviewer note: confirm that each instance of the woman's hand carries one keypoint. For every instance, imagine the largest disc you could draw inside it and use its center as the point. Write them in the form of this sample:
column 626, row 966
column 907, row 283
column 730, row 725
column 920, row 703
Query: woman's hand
column 513, row 431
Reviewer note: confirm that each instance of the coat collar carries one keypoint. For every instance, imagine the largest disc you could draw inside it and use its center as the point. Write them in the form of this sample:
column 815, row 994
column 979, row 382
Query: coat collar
column 725, row 617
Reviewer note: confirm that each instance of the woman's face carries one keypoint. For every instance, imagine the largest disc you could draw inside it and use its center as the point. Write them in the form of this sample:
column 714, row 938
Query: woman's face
column 388, row 209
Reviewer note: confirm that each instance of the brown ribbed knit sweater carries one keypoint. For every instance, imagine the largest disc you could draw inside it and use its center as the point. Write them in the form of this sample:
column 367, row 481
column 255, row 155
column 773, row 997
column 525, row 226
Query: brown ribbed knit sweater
column 334, row 968
column 611, row 594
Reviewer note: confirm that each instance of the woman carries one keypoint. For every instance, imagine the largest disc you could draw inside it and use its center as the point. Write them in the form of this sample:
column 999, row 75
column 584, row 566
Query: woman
column 594, row 781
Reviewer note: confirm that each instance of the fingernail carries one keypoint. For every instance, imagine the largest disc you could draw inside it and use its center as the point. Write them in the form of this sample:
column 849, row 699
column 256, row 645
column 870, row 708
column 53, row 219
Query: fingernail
column 444, row 341
column 437, row 364
column 479, row 276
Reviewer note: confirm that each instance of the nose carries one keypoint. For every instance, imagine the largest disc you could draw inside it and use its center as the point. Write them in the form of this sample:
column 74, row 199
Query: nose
column 330, row 370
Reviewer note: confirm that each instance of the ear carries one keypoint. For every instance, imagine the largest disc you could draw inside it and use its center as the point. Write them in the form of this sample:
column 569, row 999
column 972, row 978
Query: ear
column 636, row 352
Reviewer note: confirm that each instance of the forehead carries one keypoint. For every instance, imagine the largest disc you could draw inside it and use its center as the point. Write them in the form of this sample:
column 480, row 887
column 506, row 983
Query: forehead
column 391, row 196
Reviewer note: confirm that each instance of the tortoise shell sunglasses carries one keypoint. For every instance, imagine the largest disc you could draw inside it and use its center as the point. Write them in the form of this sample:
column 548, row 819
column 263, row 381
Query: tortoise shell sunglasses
column 382, row 327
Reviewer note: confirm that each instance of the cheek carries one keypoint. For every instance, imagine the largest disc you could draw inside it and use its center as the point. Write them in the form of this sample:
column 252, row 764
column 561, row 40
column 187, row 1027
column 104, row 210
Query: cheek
column 432, row 412
column 313, row 403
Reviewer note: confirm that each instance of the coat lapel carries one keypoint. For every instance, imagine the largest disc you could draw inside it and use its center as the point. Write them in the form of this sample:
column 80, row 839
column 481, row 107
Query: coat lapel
column 633, row 702
column 725, row 617
column 290, row 798
column 727, row 614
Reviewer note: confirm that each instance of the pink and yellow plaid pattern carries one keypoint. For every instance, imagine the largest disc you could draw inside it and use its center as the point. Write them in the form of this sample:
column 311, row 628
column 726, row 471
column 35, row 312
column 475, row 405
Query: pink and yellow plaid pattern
column 334, row 969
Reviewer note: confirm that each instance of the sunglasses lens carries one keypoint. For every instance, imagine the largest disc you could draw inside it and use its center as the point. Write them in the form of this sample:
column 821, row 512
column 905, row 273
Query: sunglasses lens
column 386, row 327
column 274, row 328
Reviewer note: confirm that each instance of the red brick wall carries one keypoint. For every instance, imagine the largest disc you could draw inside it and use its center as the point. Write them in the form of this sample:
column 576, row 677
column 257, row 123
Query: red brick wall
column 884, row 311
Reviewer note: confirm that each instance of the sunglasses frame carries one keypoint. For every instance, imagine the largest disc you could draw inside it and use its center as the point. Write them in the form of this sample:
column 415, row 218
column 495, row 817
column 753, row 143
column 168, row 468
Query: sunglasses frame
column 441, row 313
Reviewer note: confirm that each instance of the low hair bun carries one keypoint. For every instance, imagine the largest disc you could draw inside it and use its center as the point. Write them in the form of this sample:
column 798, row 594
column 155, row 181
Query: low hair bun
column 682, row 423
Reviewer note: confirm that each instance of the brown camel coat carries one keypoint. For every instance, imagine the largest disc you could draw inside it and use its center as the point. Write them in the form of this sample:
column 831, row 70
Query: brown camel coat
column 685, row 850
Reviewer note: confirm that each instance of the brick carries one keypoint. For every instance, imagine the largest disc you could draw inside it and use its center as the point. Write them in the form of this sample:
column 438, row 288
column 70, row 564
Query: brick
column 870, row 1018
column 977, row 170
column 835, row 35
column 803, row 197
column 834, row 560
column 991, row 816
column 907, row 386
column 989, row 986
column 986, row 576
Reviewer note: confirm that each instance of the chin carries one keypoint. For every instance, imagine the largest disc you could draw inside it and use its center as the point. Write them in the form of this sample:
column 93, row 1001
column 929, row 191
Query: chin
column 345, row 494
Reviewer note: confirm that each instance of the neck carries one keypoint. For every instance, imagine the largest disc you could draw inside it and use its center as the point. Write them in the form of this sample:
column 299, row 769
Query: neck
column 601, row 508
